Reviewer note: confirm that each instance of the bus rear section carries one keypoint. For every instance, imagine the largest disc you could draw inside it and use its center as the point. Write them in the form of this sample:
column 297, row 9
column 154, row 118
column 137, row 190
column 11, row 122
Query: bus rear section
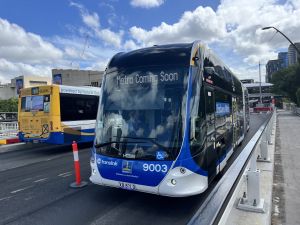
column 58, row 114
column 37, row 114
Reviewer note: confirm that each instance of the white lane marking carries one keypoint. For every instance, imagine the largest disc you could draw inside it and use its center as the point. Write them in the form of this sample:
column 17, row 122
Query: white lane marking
column 40, row 180
column 1, row 199
column 21, row 189
column 66, row 174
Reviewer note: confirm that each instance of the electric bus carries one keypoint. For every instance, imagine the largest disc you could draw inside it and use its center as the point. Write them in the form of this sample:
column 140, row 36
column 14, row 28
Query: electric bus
column 169, row 118
column 58, row 114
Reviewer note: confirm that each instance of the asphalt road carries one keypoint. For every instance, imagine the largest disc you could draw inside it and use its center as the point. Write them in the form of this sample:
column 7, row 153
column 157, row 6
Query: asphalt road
column 34, row 189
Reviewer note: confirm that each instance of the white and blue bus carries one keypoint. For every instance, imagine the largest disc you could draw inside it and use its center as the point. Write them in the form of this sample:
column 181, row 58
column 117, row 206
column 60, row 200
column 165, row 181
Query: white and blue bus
column 169, row 118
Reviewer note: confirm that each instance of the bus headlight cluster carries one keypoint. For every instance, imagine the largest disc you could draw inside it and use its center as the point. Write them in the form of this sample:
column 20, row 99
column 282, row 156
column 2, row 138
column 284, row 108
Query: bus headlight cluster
column 92, row 160
column 182, row 170
column 93, row 171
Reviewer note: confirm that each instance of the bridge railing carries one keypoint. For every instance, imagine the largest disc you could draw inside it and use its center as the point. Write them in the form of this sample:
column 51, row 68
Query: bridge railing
column 8, row 129
column 215, row 204
column 8, row 116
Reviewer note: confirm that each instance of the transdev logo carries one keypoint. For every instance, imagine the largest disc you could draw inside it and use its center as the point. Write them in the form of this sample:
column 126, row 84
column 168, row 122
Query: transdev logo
column 108, row 163
column 127, row 167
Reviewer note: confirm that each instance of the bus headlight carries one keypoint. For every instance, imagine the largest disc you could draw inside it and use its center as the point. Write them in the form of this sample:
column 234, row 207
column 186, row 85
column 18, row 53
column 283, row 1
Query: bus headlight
column 182, row 170
column 173, row 181
column 92, row 160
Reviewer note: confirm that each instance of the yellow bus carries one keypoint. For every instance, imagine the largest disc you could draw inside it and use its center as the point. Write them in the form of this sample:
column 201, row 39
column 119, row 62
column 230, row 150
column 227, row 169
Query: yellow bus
column 57, row 114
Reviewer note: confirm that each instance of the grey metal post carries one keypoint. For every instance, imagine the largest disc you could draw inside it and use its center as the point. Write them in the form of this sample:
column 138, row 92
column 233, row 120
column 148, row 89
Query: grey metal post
column 263, row 146
column 269, row 131
column 251, row 201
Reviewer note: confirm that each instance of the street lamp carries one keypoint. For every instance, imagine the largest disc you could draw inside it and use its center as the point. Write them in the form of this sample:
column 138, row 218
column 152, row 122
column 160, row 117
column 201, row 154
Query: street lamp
column 266, row 28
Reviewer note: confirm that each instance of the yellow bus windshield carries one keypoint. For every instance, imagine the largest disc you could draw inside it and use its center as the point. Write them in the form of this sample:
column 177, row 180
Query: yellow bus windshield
column 35, row 103
column 36, row 99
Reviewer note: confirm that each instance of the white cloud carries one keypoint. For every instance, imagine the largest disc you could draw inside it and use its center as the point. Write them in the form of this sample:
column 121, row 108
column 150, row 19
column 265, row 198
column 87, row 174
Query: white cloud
column 202, row 24
column 99, row 65
column 235, row 26
column 24, row 53
column 110, row 37
column 130, row 45
column 9, row 70
column 92, row 21
column 146, row 3
column 18, row 45
column 295, row 3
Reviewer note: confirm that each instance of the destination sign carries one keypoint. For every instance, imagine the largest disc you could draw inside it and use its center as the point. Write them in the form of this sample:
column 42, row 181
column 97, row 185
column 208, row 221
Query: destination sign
column 150, row 78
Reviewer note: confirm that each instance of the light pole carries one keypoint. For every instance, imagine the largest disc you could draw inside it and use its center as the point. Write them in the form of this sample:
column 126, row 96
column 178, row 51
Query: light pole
column 298, row 51
column 260, row 97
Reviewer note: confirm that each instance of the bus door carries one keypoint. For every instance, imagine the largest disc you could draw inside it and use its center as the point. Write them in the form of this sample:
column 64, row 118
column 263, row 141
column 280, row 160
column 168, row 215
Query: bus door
column 211, row 152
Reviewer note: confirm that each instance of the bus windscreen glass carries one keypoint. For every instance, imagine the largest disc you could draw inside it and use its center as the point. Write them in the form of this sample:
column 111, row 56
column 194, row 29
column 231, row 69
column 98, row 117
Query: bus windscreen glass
column 141, row 113
column 35, row 103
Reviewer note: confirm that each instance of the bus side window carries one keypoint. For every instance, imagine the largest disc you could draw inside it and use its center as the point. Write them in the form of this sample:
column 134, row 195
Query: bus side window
column 78, row 107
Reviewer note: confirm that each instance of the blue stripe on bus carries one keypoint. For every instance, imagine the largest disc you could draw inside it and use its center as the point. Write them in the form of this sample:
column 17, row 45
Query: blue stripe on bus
column 185, row 158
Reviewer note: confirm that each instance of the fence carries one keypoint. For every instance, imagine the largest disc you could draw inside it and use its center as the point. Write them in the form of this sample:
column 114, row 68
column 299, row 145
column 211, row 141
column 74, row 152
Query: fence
column 8, row 129
column 8, row 116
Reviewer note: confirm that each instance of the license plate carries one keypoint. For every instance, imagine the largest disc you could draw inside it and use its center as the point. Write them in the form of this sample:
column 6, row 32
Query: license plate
column 127, row 186
column 35, row 141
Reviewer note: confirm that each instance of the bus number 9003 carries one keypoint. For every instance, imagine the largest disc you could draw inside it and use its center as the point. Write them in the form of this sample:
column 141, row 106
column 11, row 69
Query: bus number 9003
column 155, row 168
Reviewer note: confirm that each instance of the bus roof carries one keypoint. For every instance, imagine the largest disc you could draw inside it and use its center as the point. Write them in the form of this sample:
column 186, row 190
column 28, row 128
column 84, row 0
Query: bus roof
column 80, row 90
column 151, row 56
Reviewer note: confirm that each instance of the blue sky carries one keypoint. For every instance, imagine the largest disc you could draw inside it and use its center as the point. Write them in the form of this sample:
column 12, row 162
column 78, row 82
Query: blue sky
column 40, row 35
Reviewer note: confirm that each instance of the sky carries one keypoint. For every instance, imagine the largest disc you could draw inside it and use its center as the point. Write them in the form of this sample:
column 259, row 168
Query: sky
column 37, row 36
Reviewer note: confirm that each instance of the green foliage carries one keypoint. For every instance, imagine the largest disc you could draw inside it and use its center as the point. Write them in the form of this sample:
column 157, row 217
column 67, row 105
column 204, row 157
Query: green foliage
column 287, row 81
column 298, row 97
column 10, row 105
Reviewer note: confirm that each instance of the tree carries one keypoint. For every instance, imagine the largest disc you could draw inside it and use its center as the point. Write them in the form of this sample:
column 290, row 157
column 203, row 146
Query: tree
column 287, row 81
column 9, row 105
column 298, row 97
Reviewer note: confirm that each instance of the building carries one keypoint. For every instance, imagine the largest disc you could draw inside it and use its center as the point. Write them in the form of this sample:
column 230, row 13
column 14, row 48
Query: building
column 77, row 77
column 247, row 81
column 254, row 92
column 12, row 89
column 272, row 67
column 7, row 91
column 283, row 57
column 292, row 54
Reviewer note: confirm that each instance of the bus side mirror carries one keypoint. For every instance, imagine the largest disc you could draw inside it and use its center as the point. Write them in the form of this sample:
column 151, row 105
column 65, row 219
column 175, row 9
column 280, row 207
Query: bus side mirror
column 195, row 128
column 209, row 70
column 196, row 60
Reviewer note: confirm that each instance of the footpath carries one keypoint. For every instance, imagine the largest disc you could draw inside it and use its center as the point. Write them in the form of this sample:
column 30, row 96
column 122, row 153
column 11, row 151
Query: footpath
column 286, row 186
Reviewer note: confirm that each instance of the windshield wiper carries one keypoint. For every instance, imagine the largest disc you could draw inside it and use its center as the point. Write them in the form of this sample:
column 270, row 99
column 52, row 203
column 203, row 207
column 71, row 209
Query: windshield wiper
column 152, row 140
column 116, row 142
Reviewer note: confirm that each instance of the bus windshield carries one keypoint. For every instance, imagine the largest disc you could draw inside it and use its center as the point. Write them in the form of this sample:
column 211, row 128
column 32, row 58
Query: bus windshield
column 35, row 103
column 141, row 113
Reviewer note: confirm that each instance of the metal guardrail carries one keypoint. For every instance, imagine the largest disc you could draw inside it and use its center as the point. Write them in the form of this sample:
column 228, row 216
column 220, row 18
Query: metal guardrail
column 8, row 116
column 8, row 129
column 213, row 207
